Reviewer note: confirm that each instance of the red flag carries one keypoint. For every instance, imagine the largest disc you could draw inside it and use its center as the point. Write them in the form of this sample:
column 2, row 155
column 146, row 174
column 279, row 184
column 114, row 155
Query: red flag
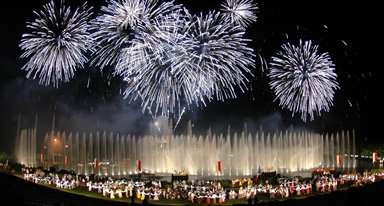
column 139, row 165
column 66, row 160
column 42, row 158
column 375, row 157
column 339, row 160
column 96, row 163
column 219, row 166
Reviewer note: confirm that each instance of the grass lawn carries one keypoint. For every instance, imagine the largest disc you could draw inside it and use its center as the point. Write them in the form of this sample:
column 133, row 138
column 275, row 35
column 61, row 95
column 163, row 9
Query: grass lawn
column 261, row 197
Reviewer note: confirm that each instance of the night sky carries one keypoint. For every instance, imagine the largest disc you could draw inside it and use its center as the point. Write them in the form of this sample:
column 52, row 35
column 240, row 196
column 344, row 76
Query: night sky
column 348, row 30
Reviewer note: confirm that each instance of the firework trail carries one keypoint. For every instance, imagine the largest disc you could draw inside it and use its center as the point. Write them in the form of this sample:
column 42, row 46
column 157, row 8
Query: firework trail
column 57, row 43
column 239, row 12
column 178, row 121
column 263, row 63
column 303, row 80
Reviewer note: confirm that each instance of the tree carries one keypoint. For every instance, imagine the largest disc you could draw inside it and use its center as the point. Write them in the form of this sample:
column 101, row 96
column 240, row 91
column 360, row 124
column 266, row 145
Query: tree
column 4, row 157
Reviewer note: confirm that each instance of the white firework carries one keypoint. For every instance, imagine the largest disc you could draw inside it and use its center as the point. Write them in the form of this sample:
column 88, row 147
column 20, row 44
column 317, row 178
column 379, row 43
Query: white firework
column 303, row 80
column 57, row 44
column 119, row 23
column 180, row 60
column 157, row 40
column 219, row 59
column 148, row 65
column 240, row 12
column 169, row 58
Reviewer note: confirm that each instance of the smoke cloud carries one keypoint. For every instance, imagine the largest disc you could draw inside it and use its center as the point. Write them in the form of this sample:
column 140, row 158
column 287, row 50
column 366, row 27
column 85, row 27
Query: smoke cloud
column 74, row 111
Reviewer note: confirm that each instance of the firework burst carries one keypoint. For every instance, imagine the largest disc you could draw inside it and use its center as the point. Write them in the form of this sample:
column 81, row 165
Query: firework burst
column 179, row 60
column 149, row 67
column 239, row 12
column 57, row 44
column 303, row 80
column 121, row 20
column 169, row 58
column 219, row 59
column 125, row 33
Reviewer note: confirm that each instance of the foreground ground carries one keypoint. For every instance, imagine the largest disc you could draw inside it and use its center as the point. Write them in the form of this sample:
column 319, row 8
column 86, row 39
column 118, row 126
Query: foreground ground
column 16, row 191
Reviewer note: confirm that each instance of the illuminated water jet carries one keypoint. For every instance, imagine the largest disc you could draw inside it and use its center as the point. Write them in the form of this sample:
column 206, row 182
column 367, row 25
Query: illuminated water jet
column 240, row 154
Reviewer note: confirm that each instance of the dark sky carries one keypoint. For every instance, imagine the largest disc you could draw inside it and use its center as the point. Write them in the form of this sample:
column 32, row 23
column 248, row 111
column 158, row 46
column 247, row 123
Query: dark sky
column 101, row 107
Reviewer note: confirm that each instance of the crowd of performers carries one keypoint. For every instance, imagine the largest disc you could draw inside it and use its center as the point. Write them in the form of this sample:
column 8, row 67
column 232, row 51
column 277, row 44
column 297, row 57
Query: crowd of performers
column 199, row 191
column 286, row 188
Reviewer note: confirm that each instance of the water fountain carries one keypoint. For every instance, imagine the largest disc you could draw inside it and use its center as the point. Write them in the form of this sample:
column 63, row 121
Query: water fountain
column 25, row 149
column 239, row 154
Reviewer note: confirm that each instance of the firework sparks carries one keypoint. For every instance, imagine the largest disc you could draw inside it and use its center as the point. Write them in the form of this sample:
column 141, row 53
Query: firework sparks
column 119, row 23
column 178, row 121
column 303, row 80
column 219, row 58
column 169, row 58
column 180, row 60
column 148, row 66
column 57, row 44
column 239, row 12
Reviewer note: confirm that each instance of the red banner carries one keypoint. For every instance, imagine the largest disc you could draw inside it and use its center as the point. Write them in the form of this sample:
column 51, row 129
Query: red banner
column 375, row 157
column 219, row 166
column 42, row 158
column 66, row 160
column 339, row 160
column 139, row 165
column 96, row 163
